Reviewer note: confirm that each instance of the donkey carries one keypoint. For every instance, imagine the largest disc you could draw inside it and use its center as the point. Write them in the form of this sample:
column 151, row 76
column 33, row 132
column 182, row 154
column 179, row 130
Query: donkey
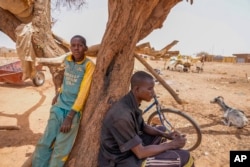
column 231, row 116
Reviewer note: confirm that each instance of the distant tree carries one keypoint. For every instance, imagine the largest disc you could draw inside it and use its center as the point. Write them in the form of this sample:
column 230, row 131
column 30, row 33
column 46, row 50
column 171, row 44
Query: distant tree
column 200, row 54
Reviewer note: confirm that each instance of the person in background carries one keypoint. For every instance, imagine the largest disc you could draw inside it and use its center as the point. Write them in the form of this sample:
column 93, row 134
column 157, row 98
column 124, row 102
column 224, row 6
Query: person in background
column 57, row 141
column 127, row 141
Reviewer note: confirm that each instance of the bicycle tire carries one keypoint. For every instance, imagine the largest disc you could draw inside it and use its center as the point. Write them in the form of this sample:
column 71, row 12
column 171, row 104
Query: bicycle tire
column 182, row 123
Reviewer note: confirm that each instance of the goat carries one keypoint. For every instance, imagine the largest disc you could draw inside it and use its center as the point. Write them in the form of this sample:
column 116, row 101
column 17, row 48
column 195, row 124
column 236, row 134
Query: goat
column 231, row 116
column 179, row 67
column 157, row 71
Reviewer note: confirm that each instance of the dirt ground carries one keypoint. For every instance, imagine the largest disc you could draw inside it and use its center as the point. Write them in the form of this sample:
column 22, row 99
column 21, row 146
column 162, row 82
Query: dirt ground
column 28, row 106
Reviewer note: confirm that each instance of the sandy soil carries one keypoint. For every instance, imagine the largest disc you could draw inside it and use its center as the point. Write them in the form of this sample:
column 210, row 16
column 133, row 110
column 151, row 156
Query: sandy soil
column 28, row 106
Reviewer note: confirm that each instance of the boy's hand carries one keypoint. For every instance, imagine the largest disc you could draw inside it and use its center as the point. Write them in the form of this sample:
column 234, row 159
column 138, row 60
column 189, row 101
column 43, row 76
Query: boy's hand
column 173, row 135
column 66, row 126
column 54, row 100
column 177, row 142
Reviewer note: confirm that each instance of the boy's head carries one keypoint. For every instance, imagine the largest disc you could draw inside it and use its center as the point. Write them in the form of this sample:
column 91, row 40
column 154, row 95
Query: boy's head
column 78, row 47
column 82, row 39
column 142, row 86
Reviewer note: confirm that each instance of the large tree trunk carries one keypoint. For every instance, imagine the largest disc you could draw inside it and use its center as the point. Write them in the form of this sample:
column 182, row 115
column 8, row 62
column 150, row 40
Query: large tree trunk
column 43, row 41
column 129, row 22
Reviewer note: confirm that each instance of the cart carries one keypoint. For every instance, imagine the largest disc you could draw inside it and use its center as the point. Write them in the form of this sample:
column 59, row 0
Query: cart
column 12, row 73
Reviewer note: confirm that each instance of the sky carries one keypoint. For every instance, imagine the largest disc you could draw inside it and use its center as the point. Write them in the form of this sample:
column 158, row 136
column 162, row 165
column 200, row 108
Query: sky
column 219, row 27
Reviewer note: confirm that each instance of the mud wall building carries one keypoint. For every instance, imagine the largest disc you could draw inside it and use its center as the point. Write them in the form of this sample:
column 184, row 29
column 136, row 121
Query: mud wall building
column 242, row 57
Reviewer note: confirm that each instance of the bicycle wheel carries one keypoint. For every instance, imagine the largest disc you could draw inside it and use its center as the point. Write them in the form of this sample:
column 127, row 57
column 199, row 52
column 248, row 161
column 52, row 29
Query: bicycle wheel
column 182, row 123
column 39, row 79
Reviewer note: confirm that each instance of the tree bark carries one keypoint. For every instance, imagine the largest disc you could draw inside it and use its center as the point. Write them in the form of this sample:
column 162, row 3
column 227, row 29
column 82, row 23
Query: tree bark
column 43, row 41
column 8, row 23
column 128, row 22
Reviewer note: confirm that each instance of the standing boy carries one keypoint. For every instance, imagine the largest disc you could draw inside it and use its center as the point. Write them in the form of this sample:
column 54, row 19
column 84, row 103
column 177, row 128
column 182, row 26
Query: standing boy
column 57, row 141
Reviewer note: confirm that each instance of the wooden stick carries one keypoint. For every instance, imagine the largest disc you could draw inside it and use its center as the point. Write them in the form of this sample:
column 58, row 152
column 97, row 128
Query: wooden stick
column 9, row 127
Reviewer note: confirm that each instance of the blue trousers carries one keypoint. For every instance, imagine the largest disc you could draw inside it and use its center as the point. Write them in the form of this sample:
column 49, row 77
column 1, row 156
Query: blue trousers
column 54, row 147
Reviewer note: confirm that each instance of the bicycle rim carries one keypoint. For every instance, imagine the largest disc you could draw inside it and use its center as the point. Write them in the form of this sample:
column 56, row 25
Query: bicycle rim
column 182, row 123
